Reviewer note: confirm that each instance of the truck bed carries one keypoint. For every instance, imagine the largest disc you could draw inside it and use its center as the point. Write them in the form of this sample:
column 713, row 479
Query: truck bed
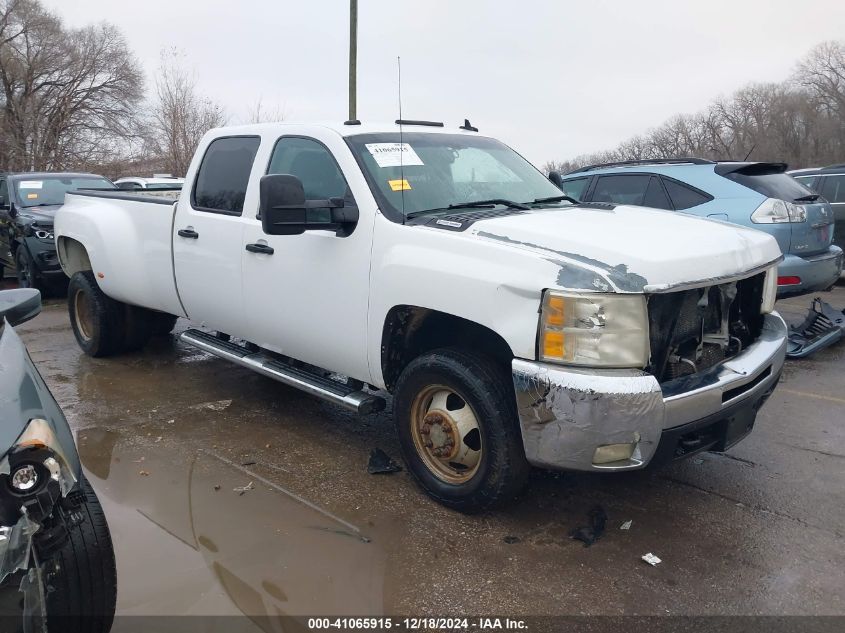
column 128, row 239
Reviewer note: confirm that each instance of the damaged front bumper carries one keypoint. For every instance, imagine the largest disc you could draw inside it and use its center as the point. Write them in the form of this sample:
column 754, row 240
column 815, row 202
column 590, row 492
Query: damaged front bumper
column 578, row 419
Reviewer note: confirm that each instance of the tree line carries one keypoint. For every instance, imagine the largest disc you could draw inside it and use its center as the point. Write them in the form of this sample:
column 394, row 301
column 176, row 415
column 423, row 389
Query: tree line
column 76, row 99
column 800, row 121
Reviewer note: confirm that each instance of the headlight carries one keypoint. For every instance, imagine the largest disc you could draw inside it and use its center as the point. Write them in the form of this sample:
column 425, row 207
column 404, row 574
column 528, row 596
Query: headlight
column 36, row 457
column 596, row 330
column 774, row 211
column 41, row 234
column 770, row 290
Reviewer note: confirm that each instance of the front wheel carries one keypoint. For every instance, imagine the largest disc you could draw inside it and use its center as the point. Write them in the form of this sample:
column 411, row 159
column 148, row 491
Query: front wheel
column 27, row 273
column 455, row 414
column 81, row 578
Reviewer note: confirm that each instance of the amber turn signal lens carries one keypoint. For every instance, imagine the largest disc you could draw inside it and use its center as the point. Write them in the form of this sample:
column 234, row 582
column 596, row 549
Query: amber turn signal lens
column 553, row 344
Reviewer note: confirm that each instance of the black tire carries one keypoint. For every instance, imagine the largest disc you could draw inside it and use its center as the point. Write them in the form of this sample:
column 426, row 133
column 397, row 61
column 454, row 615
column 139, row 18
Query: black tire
column 103, row 330
column 163, row 323
column 486, row 387
column 26, row 270
column 82, row 577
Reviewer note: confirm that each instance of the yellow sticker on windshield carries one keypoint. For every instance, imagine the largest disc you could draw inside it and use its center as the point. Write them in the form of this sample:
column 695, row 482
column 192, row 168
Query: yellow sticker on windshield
column 31, row 196
column 399, row 185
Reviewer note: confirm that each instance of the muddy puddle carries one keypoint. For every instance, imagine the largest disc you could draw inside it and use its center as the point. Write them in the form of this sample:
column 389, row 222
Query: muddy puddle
column 198, row 534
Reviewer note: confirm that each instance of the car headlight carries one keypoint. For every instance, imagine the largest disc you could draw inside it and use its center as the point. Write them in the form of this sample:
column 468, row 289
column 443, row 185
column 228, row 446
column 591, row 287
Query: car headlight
column 35, row 459
column 595, row 330
column 773, row 211
column 41, row 234
column 770, row 290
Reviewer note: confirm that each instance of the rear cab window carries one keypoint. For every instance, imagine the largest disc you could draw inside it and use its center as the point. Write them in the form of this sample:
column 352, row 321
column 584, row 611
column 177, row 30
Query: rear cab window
column 223, row 175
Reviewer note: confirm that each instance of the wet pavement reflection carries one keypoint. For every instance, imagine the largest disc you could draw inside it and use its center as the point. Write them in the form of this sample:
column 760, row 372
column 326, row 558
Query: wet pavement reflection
column 221, row 539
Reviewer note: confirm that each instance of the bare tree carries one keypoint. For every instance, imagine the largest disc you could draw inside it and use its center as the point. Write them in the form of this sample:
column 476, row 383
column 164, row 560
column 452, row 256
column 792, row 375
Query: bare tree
column 68, row 95
column 800, row 121
column 180, row 115
column 258, row 113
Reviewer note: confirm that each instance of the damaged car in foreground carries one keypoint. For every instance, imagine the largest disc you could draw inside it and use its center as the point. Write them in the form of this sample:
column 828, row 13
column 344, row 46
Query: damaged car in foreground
column 513, row 325
column 57, row 566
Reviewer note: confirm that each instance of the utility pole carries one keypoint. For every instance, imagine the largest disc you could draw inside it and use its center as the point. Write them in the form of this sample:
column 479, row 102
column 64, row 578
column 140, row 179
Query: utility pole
column 353, row 59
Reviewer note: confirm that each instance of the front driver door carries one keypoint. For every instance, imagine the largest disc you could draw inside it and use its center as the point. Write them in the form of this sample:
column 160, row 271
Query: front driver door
column 308, row 298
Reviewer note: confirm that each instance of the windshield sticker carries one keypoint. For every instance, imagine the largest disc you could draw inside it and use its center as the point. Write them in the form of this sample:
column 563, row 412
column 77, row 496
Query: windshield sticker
column 31, row 196
column 393, row 154
column 399, row 185
column 31, row 184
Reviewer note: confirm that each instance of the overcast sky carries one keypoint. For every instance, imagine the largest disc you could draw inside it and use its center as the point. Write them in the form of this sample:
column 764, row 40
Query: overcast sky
column 553, row 79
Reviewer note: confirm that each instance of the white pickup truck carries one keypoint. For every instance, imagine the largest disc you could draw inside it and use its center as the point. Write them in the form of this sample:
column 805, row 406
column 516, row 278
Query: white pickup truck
column 513, row 326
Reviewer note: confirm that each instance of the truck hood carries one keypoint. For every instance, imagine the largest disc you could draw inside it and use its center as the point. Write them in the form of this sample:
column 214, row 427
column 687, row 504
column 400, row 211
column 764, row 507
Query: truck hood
column 632, row 249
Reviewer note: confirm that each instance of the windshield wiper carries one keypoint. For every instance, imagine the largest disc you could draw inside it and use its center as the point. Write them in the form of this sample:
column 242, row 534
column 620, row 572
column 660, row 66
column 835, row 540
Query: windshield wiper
column 557, row 199
column 510, row 204
column 469, row 205
column 810, row 197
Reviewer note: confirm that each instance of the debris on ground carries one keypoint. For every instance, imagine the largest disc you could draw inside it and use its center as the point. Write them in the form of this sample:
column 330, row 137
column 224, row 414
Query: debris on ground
column 626, row 525
column 242, row 489
column 249, row 462
column 651, row 559
column 217, row 405
column 381, row 463
column 217, row 487
column 144, row 473
column 510, row 540
column 589, row 534
column 822, row 327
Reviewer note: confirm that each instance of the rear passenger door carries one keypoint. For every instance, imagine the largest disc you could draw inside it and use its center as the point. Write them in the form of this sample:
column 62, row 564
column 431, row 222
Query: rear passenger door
column 207, row 235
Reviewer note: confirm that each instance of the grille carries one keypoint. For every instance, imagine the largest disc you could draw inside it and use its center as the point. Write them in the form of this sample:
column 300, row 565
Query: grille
column 694, row 330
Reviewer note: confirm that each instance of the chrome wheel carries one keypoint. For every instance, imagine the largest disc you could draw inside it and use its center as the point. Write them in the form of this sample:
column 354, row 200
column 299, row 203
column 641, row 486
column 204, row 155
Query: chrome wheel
column 446, row 434
column 84, row 318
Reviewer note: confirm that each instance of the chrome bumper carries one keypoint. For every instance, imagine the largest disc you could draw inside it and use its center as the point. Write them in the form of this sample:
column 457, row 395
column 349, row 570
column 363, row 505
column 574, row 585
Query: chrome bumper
column 566, row 413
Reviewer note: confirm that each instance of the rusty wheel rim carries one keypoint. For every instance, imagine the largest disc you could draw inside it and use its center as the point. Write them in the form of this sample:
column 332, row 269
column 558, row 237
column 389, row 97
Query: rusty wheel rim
column 446, row 434
column 82, row 311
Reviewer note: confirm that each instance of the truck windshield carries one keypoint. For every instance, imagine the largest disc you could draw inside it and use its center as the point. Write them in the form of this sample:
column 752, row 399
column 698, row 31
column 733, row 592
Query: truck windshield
column 46, row 190
column 429, row 172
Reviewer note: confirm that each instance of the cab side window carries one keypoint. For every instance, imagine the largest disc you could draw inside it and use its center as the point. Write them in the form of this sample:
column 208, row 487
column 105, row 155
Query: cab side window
column 130, row 186
column 4, row 194
column 313, row 164
column 223, row 175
